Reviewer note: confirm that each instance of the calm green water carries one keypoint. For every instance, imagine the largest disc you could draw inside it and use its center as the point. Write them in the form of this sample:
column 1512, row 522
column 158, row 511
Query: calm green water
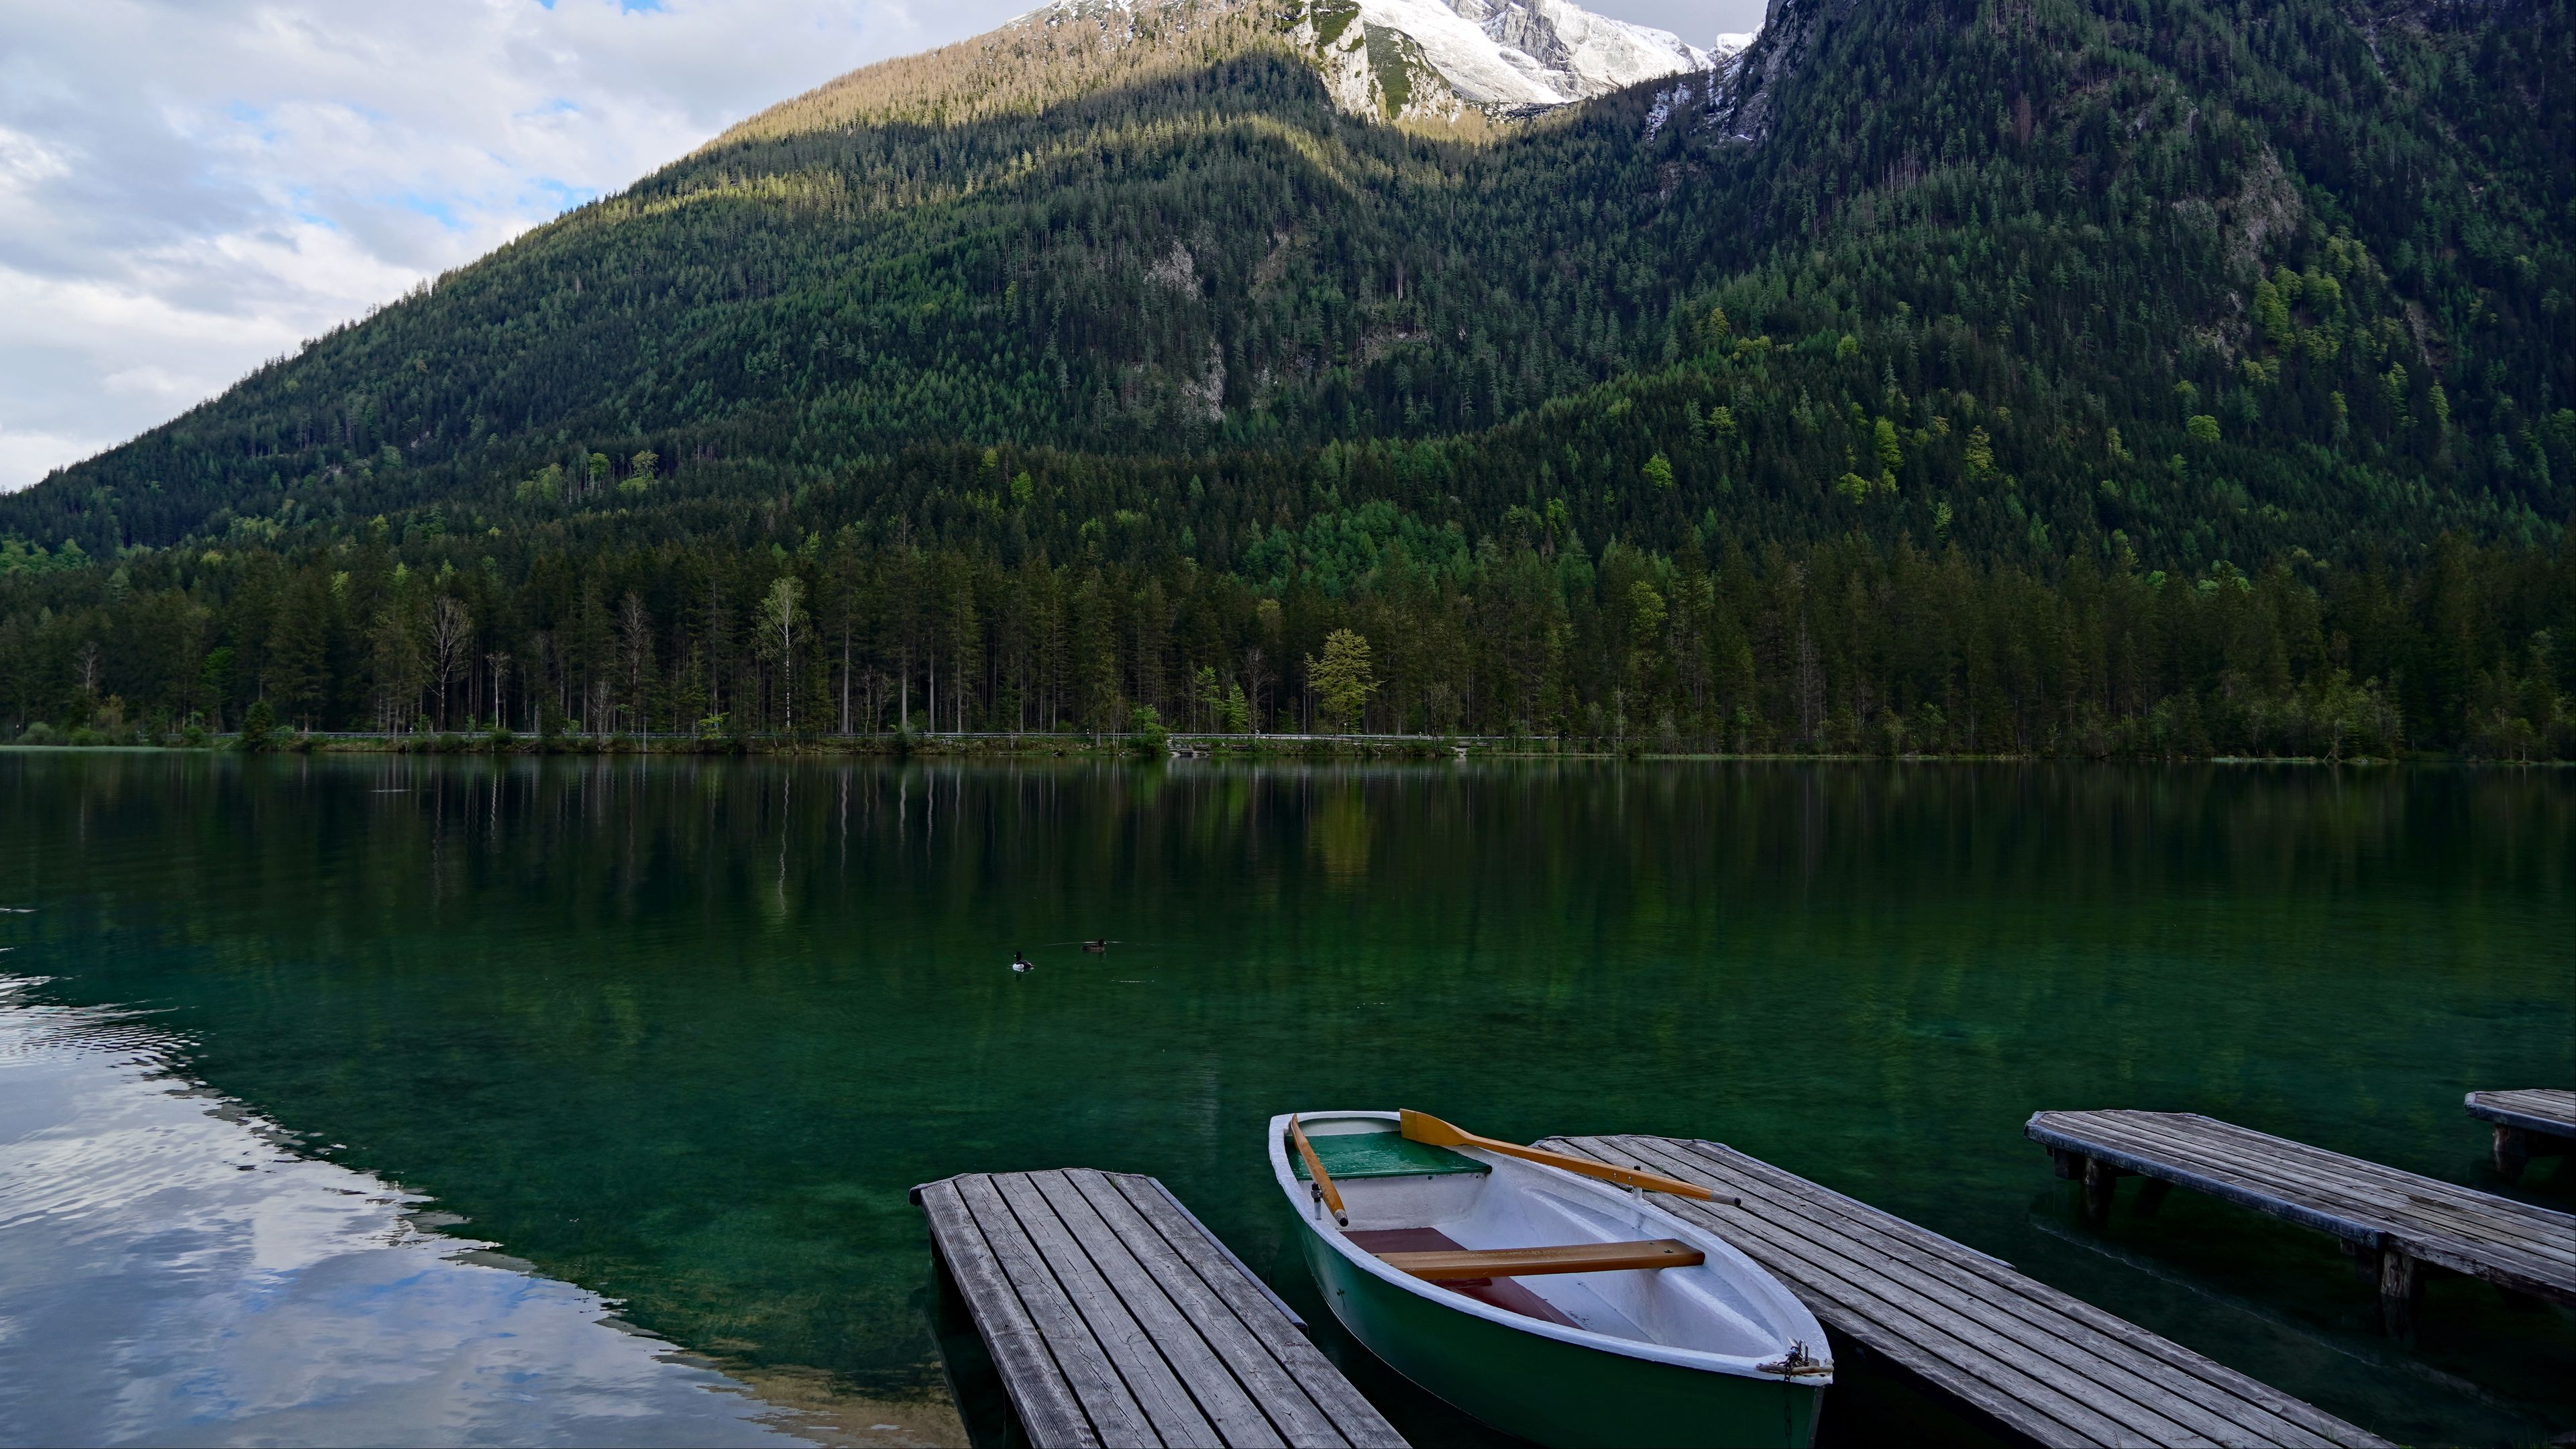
column 683, row 1034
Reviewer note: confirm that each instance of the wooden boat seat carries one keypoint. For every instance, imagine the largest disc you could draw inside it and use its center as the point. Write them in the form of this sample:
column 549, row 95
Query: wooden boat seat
column 1445, row 1265
column 1500, row 1293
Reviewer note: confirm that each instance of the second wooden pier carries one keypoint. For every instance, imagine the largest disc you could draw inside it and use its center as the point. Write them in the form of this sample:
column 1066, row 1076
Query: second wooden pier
column 2395, row 1221
column 2031, row 1363
column 2529, row 1122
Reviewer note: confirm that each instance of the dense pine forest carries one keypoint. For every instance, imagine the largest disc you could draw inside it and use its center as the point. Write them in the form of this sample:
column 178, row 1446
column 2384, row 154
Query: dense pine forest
column 2126, row 377
column 1372, row 623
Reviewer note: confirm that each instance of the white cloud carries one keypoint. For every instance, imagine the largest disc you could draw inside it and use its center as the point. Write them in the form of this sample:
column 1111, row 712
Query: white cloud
column 188, row 187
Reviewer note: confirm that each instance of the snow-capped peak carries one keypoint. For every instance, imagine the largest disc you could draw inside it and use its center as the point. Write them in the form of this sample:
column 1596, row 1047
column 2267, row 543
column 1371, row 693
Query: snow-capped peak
column 1496, row 55
column 1427, row 60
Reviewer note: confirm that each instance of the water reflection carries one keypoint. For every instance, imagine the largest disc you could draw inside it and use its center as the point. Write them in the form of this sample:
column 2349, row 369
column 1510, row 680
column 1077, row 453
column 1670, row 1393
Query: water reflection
column 684, row 1032
column 173, row 1272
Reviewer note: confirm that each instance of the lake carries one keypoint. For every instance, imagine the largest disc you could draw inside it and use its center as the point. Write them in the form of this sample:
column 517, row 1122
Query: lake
column 564, row 1100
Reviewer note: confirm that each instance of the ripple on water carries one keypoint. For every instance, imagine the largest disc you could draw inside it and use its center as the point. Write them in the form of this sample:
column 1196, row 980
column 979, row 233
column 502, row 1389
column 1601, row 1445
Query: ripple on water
column 171, row 1271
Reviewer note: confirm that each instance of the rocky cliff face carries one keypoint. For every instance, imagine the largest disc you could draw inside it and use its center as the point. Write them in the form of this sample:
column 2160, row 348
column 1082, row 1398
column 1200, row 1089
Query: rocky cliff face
column 1742, row 104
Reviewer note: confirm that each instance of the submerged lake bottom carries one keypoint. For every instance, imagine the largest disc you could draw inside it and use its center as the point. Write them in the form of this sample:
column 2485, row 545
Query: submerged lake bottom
column 459, row 1100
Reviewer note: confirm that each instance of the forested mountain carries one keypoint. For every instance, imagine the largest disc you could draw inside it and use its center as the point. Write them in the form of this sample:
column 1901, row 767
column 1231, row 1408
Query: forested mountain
column 1985, row 296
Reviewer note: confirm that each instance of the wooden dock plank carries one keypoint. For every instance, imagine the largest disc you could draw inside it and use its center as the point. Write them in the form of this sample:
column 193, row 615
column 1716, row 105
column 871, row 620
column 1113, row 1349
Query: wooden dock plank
column 1868, row 1223
column 2162, row 1378
column 1268, row 1388
column 2351, row 1207
column 1195, row 1369
column 2528, row 1122
column 2534, row 1109
column 2513, row 1244
column 1111, row 1407
column 1039, row 1390
column 1956, row 1342
column 2262, row 1156
column 2032, row 1362
column 2300, row 1173
column 1115, row 1318
column 2120, row 1387
column 1175, row 1416
column 2502, row 1224
column 1353, row 1416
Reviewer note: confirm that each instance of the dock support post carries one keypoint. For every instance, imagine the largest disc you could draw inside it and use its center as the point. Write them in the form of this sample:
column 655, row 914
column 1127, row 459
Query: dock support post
column 2099, row 1179
column 2401, row 1287
column 2512, row 1150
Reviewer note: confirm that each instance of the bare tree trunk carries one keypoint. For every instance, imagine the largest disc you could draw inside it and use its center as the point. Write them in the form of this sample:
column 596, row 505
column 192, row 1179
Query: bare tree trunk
column 781, row 616
column 449, row 628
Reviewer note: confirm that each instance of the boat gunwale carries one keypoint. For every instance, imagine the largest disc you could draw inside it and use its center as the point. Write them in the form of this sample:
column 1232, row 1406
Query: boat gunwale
column 1746, row 1366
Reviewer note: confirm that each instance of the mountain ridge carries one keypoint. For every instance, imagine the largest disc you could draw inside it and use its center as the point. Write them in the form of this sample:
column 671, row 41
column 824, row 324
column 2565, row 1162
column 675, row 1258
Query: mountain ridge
column 1191, row 243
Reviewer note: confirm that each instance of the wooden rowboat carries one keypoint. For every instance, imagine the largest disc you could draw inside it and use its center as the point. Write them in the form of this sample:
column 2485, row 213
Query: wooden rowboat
column 1554, row 1306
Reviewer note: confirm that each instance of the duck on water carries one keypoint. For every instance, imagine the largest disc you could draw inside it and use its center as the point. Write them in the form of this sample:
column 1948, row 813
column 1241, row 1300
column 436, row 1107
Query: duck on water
column 1528, row 1291
column 1021, row 963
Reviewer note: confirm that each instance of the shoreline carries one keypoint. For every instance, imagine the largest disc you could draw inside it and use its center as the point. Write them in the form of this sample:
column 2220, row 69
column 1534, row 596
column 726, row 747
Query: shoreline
column 1257, row 749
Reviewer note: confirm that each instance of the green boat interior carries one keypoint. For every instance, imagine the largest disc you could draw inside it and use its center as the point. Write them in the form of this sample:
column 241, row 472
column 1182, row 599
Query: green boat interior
column 1381, row 1154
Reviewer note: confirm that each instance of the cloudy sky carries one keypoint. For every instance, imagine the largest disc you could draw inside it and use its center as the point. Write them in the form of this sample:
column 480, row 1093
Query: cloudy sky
column 190, row 186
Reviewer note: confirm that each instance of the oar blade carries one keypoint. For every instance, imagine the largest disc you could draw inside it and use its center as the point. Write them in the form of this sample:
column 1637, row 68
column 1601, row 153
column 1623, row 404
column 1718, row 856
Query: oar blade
column 1423, row 1127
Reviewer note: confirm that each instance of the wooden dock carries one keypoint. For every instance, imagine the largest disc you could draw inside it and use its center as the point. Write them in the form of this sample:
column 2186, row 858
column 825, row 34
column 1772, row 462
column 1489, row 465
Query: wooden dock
column 2530, row 1122
column 1114, row 1318
column 2014, row 1354
column 2391, row 1222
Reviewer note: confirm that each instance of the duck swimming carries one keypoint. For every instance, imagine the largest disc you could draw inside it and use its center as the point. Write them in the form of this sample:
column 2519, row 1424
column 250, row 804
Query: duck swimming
column 1021, row 963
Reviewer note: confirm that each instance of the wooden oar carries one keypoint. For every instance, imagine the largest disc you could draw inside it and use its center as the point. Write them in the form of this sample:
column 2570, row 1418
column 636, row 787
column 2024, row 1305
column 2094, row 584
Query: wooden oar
column 1423, row 1127
column 1323, row 1186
